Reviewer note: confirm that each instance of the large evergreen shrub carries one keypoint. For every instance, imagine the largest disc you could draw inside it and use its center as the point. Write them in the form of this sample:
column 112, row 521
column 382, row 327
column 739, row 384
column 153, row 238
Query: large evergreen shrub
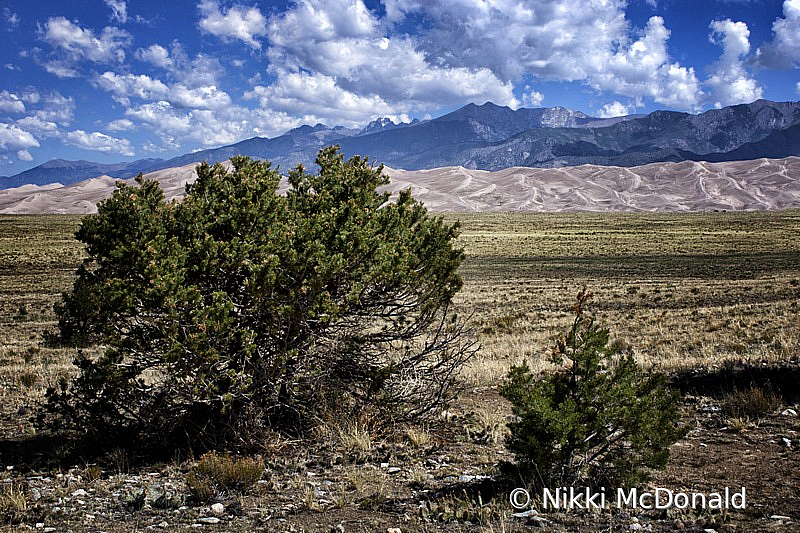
column 240, row 307
column 600, row 420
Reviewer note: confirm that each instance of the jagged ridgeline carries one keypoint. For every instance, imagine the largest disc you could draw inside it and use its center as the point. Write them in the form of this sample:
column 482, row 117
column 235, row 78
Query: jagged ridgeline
column 491, row 137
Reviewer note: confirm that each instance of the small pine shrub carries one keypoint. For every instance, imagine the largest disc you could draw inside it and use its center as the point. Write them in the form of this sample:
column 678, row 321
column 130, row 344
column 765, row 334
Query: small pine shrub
column 241, row 307
column 216, row 475
column 600, row 421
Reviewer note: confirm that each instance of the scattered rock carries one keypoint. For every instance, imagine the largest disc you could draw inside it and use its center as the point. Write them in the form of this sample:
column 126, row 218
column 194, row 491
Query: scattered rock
column 537, row 520
column 208, row 520
column 393, row 530
column 218, row 509
column 789, row 412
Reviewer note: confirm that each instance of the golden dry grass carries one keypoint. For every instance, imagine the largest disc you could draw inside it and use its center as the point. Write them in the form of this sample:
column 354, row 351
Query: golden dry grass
column 678, row 290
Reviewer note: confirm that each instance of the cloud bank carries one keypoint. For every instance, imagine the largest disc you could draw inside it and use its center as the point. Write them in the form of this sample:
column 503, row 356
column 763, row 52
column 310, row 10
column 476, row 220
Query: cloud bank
column 341, row 63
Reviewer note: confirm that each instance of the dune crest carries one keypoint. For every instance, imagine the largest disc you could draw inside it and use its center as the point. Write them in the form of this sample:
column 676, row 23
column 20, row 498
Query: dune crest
column 760, row 184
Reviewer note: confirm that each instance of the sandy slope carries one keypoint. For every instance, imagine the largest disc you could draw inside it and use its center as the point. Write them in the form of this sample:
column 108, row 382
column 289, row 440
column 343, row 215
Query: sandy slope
column 760, row 184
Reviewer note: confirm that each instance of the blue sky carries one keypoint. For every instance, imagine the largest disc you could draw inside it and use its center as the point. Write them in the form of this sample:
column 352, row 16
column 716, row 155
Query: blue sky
column 114, row 80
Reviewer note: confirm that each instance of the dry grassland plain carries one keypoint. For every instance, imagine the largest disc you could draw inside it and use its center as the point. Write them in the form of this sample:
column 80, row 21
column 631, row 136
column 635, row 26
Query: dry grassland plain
column 678, row 290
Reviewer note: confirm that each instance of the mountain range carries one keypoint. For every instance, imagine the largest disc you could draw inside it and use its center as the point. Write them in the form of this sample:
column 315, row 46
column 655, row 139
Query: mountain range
column 491, row 137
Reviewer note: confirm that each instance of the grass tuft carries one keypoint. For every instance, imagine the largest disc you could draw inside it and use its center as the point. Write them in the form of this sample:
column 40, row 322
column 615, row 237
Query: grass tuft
column 752, row 403
column 215, row 476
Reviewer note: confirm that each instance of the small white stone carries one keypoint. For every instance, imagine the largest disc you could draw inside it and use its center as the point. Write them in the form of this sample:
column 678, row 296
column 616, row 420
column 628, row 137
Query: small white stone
column 217, row 508
column 80, row 492
column 208, row 520
column 789, row 412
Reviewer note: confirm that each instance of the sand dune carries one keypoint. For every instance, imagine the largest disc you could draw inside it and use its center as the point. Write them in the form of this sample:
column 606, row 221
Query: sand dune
column 760, row 184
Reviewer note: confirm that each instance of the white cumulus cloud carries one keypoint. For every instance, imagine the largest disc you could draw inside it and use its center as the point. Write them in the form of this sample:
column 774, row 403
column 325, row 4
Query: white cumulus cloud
column 783, row 52
column 565, row 40
column 343, row 49
column 201, row 70
column 143, row 87
column 11, row 18
column 643, row 69
column 729, row 81
column 156, row 55
column 613, row 109
column 178, row 127
column 316, row 97
column 237, row 22
column 82, row 43
column 531, row 98
column 122, row 124
column 13, row 138
column 126, row 86
column 99, row 142
column 119, row 10
column 45, row 114
column 11, row 103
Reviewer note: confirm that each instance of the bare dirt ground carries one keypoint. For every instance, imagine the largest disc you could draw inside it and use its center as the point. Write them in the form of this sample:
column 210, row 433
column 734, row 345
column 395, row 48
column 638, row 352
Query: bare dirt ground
column 451, row 483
